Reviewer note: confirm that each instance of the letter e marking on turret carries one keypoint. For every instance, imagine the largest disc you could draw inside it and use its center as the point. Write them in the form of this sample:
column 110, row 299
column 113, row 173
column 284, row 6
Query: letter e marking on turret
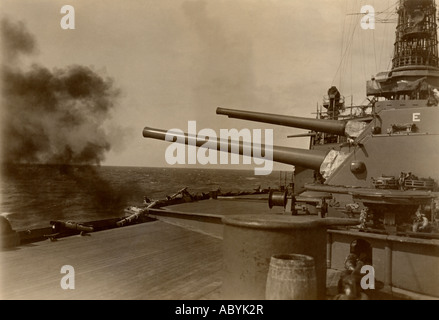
column 416, row 117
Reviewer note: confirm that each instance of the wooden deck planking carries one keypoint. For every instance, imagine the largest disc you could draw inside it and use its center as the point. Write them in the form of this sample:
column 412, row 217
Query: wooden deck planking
column 228, row 207
column 148, row 261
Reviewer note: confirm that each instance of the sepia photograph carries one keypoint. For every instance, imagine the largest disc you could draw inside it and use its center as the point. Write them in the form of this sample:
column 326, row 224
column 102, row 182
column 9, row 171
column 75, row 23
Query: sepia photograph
column 211, row 151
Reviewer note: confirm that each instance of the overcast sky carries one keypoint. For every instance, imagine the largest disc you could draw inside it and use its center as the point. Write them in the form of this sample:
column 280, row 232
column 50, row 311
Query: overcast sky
column 176, row 60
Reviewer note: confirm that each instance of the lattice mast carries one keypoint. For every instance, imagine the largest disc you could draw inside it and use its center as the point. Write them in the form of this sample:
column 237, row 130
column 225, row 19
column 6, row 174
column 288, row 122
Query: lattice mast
column 415, row 63
column 416, row 44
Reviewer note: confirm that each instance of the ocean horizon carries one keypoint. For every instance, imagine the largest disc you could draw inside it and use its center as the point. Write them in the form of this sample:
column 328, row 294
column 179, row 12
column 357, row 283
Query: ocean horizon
column 34, row 194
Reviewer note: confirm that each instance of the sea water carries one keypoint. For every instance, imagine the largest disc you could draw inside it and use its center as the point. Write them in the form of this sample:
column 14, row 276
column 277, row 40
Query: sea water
column 33, row 195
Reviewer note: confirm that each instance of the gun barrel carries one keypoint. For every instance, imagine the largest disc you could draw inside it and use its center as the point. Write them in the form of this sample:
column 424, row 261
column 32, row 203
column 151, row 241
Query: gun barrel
column 321, row 125
column 306, row 158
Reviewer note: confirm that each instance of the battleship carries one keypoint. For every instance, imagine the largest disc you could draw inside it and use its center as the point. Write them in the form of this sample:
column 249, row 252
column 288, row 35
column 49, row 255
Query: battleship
column 366, row 186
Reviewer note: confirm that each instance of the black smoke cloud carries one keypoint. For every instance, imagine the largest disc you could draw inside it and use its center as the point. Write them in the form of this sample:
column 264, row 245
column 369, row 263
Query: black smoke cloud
column 51, row 116
column 16, row 40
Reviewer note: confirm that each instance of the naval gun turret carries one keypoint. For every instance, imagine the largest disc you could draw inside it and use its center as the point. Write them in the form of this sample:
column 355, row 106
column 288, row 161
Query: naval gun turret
column 398, row 138
column 382, row 159
column 385, row 169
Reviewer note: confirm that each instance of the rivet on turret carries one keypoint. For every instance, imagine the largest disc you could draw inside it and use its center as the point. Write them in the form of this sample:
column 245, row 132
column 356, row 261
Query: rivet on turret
column 376, row 130
column 357, row 167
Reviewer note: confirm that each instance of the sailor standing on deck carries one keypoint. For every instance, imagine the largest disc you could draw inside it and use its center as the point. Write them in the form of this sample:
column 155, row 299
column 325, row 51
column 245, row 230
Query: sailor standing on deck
column 349, row 284
column 421, row 223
